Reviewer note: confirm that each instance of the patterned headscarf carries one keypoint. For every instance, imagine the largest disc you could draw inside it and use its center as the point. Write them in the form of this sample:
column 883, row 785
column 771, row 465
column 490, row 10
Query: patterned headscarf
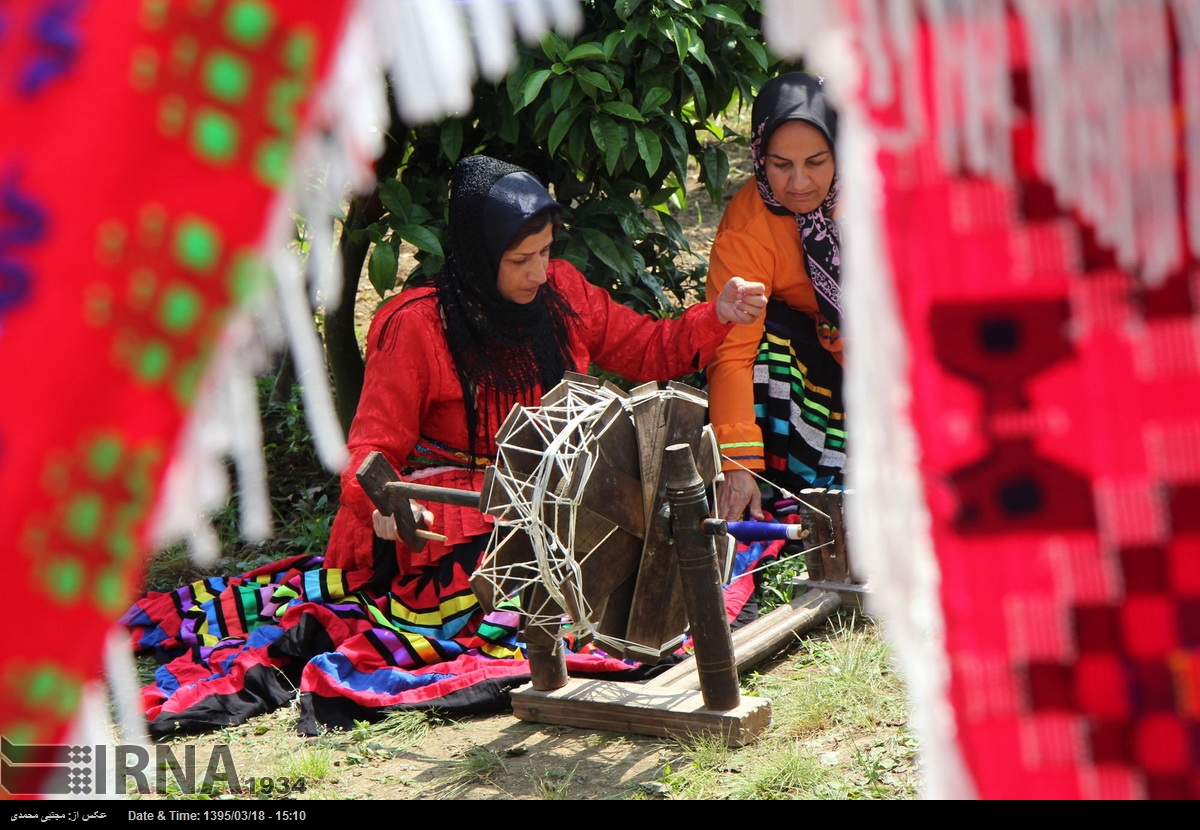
column 798, row 96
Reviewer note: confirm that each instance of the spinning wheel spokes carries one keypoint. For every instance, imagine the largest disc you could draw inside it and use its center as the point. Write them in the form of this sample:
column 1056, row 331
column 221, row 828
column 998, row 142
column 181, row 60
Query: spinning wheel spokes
column 588, row 512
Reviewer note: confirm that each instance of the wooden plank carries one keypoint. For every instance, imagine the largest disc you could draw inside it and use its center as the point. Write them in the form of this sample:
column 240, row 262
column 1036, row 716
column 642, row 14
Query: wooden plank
column 629, row 707
column 760, row 639
column 814, row 517
column 612, row 486
column 658, row 612
column 604, row 563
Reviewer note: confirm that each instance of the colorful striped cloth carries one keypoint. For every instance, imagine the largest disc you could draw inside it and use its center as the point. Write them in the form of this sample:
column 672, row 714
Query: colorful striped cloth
column 232, row 648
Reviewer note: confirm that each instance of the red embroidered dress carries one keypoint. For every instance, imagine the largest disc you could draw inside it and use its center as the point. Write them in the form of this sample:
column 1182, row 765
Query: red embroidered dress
column 412, row 400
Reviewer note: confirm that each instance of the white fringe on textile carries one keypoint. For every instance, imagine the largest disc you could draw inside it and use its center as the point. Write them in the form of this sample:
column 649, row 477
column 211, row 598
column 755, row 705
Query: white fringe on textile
column 1187, row 28
column 1102, row 96
column 432, row 52
column 887, row 33
column 888, row 515
column 974, row 96
column 1102, row 89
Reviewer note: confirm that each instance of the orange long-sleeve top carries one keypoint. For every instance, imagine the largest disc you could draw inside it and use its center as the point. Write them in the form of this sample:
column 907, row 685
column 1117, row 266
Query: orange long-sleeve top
column 765, row 247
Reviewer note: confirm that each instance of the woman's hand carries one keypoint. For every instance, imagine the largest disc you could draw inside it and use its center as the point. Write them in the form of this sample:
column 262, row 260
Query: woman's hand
column 741, row 301
column 737, row 492
column 385, row 526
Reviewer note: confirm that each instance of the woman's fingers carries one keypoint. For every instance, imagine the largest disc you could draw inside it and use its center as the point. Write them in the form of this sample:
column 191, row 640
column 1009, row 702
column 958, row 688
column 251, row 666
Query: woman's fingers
column 385, row 526
column 741, row 301
column 737, row 493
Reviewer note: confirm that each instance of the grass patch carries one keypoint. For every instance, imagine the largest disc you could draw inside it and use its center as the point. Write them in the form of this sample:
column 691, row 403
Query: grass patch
column 475, row 766
column 838, row 729
column 409, row 728
column 839, row 676
column 553, row 785
column 313, row 765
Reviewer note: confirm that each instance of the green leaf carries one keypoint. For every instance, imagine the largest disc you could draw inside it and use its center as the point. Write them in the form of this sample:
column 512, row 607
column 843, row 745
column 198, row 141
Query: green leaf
column 682, row 36
column 621, row 110
column 674, row 230
column 678, row 147
column 715, row 165
column 512, row 82
column 592, row 79
column 756, row 51
column 629, row 149
column 575, row 147
column 382, row 268
column 649, row 148
column 585, row 52
column 531, row 87
column 510, row 127
column 611, row 41
column 451, row 139
column 639, row 28
column 697, row 89
column 560, row 91
column 607, row 136
column 699, row 53
column 562, row 123
column 716, row 11
column 554, row 47
column 626, row 8
column 395, row 198
column 606, row 250
column 642, row 296
column 576, row 252
column 655, row 98
column 421, row 237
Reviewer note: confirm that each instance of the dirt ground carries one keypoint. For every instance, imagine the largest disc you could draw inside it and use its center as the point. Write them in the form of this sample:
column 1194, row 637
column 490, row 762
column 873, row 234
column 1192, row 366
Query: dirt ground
column 856, row 753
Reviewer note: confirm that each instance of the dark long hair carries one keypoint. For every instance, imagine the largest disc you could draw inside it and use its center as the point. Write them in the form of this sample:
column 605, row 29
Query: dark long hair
column 503, row 351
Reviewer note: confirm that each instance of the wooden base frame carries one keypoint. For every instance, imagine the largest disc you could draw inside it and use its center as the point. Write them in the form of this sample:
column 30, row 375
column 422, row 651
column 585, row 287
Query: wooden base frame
column 671, row 705
column 631, row 707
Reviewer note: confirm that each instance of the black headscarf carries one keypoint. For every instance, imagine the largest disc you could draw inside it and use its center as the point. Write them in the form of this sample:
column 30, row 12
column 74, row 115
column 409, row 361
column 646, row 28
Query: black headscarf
column 798, row 96
column 502, row 350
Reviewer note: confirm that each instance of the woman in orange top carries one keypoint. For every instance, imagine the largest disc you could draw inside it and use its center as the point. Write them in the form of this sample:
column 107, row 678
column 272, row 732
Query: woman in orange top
column 775, row 387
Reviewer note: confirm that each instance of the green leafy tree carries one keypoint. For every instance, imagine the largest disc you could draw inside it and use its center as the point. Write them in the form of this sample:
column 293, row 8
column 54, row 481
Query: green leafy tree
column 610, row 119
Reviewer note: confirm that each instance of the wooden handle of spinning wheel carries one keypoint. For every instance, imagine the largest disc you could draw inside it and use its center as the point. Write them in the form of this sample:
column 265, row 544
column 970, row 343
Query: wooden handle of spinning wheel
column 375, row 474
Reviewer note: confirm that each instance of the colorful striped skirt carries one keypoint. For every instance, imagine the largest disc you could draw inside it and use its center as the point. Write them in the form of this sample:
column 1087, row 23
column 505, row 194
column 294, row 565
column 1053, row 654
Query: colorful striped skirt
column 798, row 403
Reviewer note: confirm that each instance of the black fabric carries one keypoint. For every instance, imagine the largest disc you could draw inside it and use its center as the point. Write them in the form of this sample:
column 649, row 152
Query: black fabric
column 319, row 713
column 503, row 351
column 264, row 689
column 512, row 201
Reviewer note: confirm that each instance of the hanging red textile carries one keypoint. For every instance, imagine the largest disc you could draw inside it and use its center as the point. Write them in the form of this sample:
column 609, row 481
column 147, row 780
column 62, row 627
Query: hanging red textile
column 1033, row 164
column 142, row 148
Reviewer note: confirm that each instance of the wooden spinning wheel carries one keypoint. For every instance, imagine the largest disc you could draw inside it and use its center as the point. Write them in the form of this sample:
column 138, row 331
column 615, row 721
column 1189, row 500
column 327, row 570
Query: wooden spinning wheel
column 595, row 523
column 599, row 497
